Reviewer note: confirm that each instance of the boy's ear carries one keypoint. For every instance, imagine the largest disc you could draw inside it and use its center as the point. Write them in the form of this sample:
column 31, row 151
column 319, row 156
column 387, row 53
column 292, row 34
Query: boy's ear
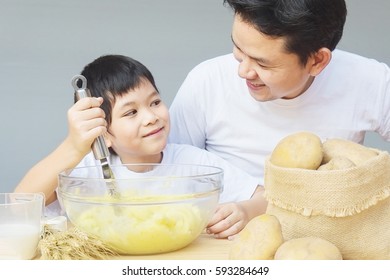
column 107, row 139
column 319, row 60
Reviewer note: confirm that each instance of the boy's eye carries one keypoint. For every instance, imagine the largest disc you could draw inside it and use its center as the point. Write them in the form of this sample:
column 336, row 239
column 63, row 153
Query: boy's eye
column 130, row 113
column 156, row 102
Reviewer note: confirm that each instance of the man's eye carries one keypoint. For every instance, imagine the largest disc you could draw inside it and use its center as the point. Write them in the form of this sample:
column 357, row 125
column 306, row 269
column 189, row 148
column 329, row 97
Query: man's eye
column 262, row 65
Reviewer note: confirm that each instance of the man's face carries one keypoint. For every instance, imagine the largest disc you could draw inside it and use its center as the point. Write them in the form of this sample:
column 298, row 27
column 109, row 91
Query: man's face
column 270, row 72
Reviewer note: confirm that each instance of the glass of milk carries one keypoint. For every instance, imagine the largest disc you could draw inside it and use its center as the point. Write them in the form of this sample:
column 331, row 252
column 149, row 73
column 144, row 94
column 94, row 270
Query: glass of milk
column 20, row 224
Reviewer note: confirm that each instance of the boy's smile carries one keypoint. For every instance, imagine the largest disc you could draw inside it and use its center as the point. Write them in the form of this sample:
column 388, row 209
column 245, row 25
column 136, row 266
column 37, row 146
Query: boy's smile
column 140, row 125
column 154, row 132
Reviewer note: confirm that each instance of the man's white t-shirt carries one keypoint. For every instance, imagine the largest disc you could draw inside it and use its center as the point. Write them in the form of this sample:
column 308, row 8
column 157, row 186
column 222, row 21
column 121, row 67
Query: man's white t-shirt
column 213, row 109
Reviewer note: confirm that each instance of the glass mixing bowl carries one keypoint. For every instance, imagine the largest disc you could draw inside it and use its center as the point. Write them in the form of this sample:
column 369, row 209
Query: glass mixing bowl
column 159, row 208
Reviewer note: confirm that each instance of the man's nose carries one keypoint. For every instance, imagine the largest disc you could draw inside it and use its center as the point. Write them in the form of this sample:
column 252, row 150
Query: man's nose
column 246, row 70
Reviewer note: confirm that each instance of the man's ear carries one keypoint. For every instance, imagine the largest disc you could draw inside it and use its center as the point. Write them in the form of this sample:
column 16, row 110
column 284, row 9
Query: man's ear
column 319, row 60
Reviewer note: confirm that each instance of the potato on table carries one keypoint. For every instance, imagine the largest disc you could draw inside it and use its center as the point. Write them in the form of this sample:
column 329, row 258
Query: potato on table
column 259, row 240
column 308, row 248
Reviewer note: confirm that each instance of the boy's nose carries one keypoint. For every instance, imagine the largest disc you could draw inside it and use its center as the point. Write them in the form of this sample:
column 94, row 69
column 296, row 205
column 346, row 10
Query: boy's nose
column 150, row 117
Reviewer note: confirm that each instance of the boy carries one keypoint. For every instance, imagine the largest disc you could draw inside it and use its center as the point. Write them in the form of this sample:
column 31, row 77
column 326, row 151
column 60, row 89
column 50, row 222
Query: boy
column 127, row 110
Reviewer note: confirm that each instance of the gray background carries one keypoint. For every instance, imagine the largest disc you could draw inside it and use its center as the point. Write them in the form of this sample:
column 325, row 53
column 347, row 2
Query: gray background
column 43, row 43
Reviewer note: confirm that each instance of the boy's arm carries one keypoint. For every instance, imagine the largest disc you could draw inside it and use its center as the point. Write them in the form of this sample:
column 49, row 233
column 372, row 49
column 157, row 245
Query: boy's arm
column 230, row 218
column 43, row 177
column 86, row 122
column 256, row 205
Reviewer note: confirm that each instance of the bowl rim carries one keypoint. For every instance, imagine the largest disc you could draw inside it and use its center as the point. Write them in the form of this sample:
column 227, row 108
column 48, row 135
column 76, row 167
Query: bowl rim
column 218, row 171
column 128, row 202
column 214, row 171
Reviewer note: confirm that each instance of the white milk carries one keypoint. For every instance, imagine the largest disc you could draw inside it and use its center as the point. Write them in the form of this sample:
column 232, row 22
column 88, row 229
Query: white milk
column 18, row 241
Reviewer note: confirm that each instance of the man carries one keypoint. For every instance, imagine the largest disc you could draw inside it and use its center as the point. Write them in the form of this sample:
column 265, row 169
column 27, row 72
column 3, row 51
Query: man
column 290, row 78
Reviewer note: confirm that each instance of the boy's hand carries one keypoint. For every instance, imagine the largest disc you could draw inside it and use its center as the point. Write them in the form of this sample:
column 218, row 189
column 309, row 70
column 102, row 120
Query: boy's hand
column 228, row 220
column 86, row 122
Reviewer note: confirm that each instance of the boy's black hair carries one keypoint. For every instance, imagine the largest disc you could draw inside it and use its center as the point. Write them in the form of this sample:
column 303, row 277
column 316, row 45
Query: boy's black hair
column 110, row 76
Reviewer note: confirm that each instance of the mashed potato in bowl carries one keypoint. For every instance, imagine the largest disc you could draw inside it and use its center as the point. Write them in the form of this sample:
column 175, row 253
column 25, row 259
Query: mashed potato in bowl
column 162, row 209
column 141, row 229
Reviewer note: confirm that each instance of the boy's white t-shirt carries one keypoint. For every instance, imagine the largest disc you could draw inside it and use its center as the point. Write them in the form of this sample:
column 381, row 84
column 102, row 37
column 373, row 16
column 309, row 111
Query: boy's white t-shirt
column 237, row 185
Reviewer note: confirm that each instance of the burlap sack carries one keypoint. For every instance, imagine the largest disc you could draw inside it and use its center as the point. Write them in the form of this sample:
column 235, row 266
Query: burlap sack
column 350, row 208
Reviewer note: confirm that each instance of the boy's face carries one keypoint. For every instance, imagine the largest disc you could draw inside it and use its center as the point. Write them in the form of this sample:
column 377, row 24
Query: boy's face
column 270, row 72
column 140, row 125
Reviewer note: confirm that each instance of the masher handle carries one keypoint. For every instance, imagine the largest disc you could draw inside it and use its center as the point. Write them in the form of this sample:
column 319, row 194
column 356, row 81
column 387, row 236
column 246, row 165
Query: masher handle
column 99, row 147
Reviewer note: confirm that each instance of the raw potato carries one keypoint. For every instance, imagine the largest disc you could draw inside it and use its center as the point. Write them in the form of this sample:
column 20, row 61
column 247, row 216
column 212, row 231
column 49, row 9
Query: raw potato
column 308, row 248
column 337, row 163
column 298, row 150
column 355, row 152
column 259, row 240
